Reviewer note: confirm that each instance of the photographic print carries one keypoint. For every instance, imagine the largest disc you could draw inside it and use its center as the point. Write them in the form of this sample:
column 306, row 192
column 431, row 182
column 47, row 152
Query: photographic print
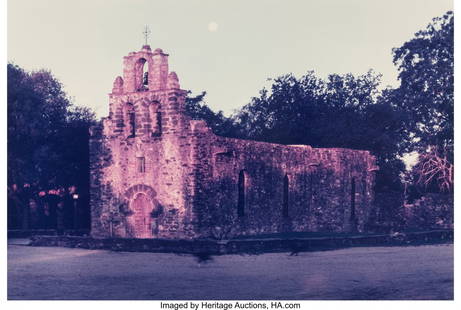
column 230, row 154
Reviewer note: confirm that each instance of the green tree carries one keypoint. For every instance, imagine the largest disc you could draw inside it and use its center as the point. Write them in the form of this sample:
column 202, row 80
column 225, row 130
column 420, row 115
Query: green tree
column 425, row 94
column 47, row 135
column 425, row 66
column 342, row 111
column 197, row 109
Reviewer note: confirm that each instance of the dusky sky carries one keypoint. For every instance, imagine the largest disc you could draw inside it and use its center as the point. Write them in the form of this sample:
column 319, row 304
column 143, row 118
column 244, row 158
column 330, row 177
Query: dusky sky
column 227, row 48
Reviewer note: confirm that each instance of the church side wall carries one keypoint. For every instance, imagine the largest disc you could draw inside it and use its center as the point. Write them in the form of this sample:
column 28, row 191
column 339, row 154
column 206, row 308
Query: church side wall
column 285, row 188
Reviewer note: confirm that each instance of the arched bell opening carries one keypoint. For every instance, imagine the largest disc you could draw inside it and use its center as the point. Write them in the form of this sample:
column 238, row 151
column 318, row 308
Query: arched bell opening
column 141, row 75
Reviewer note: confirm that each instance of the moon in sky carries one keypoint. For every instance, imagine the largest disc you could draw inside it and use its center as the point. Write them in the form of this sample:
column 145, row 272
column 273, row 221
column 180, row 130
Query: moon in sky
column 212, row 27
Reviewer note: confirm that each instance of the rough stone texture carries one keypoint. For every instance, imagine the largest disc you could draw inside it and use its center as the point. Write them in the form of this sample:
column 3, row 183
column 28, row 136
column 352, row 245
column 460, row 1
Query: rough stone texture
column 158, row 174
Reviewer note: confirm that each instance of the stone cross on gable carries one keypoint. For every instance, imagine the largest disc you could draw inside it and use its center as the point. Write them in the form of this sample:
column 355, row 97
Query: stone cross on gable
column 146, row 33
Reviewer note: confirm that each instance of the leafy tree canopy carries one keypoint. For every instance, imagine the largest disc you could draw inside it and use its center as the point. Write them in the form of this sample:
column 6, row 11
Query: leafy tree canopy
column 425, row 66
column 47, row 135
column 197, row 109
column 341, row 111
column 425, row 96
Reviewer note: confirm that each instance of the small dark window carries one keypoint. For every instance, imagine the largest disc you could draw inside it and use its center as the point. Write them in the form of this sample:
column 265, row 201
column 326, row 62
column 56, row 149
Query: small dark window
column 141, row 164
column 132, row 124
column 364, row 187
column 353, row 202
column 311, row 190
column 157, row 122
column 285, row 196
column 224, row 157
column 241, row 194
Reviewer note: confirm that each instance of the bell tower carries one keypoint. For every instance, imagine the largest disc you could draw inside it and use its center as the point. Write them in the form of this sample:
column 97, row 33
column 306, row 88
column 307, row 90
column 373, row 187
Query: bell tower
column 136, row 98
column 142, row 179
column 145, row 70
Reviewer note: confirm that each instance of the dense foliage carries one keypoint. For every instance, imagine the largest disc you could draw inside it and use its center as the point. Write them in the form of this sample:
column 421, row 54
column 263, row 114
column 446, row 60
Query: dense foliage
column 425, row 96
column 349, row 111
column 197, row 109
column 47, row 135
column 342, row 111
column 425, row 66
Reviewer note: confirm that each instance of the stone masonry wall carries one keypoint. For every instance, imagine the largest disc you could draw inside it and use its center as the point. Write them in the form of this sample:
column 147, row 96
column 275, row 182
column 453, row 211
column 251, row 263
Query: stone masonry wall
column 155, row 173
column 140, row 156
column 318, row 195
column 164, row 179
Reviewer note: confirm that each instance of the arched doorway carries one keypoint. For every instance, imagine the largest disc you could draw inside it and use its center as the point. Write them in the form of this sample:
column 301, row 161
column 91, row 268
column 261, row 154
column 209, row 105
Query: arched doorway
column 141, row 219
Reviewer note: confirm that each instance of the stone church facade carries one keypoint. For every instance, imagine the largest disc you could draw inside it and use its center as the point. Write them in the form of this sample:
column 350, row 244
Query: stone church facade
column 156, row 173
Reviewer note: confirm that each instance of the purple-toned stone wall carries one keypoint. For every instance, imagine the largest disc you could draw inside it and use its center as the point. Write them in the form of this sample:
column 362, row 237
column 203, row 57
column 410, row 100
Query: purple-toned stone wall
column 158, row 174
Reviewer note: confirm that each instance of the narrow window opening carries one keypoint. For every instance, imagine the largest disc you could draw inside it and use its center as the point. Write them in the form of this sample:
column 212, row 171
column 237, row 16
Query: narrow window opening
column 364, row 187
column 311, row 191
column 158, row 116
column 156, row 119
column 285, row 196
column 353, row 202
column 132, row 117
column 241, row 194
column 141, row 164
column 145, row 80
column 145, row 76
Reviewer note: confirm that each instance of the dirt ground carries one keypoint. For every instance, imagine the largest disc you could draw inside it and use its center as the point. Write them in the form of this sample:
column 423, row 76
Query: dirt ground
column 421, row 272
